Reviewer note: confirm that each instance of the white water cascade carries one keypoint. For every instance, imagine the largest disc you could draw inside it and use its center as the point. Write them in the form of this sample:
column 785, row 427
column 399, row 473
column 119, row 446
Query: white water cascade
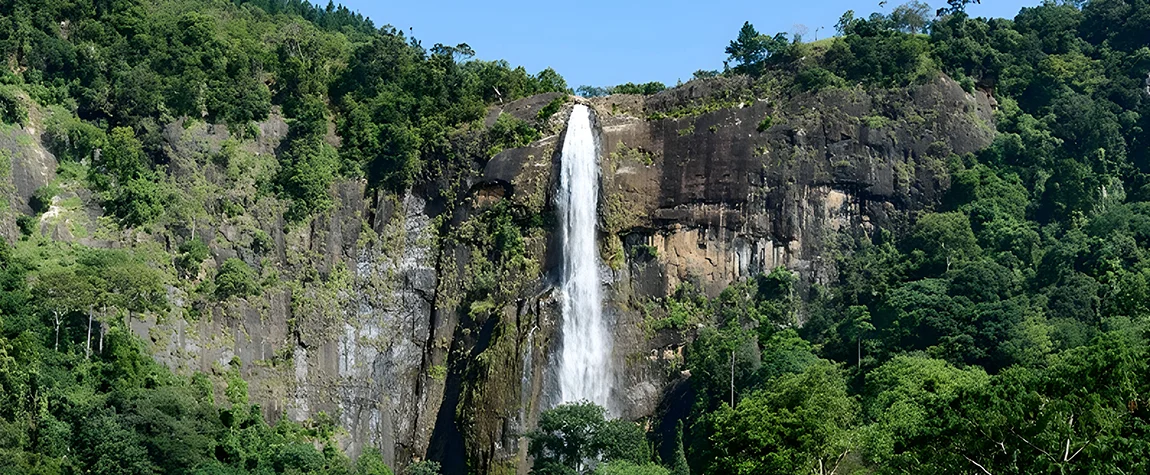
column 585, row 361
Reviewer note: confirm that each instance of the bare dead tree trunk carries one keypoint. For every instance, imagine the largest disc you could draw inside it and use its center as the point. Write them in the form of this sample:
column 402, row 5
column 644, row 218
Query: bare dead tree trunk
column 732, row 379
column 88, row 340
column 56, row 318
column 104, row 313
column 838, row 462
column 976, row 464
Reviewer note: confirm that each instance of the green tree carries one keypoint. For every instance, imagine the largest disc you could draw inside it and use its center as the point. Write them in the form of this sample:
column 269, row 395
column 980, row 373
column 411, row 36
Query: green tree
column 133, row 285
column 846, row 21
column 751, row 48
column 298, row 457
column 177, row 425
column 566, row 436
column 121, row 160
column 311, row 170
column 873, row 53
column 908, row 400
column 105, row 446
column 679, row 462
column 912, row 17
column 131, row 189
column 622, row 441
column 140, row 201
column 550, row 81
column 956, row 6
column 797, row 423
column 943, row 239
column 62, row 292
column 858, row 326
column 576, row 437
column 785, row 352
column 723, row 362
column 370, row 462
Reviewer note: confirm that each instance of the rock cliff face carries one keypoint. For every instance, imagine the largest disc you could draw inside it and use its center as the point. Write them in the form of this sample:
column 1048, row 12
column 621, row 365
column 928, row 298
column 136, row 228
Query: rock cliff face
column 25, row 166
column 745, row 189
column 706, row 183
column 702, row 186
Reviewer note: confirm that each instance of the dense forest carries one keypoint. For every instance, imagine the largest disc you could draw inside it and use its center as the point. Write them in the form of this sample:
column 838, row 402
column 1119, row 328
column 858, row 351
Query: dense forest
column 1004, row 331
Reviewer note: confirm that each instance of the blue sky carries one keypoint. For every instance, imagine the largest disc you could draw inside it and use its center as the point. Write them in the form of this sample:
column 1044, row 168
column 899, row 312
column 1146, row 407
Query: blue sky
column 603, row 43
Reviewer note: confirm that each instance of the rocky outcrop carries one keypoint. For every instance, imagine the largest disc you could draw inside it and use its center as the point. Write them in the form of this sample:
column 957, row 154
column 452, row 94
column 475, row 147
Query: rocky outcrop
column 26, row 165
column 351, row 343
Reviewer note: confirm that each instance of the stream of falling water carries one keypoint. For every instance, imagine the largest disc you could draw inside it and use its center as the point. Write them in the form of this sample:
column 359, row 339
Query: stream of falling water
column 585, row 361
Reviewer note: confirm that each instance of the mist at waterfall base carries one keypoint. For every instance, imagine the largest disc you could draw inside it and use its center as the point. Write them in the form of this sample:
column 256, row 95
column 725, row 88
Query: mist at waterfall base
column 585, row 360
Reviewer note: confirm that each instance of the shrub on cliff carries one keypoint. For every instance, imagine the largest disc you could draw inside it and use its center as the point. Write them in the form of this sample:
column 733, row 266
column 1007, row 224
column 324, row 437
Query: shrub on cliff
column 816, row 78
column 139, row 201
column 41, row 199
column 13, row 109
column 192, row 253
column 549, row 110
column 236, row 279
column 425, row 467
column 72, row 139
column 645, row 89
column 310, row 168
column 509, row 132
column 370, row 462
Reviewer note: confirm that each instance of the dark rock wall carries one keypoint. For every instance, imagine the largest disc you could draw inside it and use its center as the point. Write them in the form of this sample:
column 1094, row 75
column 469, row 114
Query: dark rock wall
column 724, row 195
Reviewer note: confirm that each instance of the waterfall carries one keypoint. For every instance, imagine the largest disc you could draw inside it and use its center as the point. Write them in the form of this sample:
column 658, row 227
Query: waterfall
column 585, row 361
